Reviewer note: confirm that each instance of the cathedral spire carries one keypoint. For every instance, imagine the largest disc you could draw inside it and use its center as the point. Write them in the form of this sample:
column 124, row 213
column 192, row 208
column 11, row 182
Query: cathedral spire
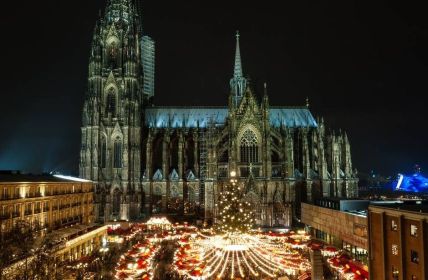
column 238, row 64
column 238, row 83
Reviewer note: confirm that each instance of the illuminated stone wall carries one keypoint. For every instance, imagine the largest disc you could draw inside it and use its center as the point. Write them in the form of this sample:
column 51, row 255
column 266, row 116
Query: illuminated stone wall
column 45, row 204
column 148, row 160
column 347, row 227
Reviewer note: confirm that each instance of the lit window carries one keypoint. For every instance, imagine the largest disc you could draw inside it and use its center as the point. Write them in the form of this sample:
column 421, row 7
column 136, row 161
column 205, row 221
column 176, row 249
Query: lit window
column 414, row 257
column 413, row 230
column 395, row 273
column 394, row 225
column 394, row 249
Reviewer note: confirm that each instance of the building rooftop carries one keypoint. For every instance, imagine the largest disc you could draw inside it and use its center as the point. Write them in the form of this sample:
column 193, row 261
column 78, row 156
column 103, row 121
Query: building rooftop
column 190, row 117
column 70, row 232
column 411, row 206
column 12, row 176
column 352, row 206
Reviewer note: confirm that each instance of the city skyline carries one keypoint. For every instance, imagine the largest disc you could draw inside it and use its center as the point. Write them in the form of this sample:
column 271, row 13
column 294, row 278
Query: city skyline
column 288, row 52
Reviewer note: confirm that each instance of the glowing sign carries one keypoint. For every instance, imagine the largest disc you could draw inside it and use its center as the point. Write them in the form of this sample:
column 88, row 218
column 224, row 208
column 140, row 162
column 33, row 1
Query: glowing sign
column 413, row 183
column 400, row 181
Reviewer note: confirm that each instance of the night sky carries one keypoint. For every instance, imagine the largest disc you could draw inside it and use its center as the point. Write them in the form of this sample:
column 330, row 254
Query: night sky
column 364, row 67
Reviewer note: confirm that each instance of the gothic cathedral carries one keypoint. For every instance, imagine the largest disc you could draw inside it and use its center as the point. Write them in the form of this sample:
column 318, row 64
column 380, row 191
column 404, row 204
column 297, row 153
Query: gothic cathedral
column 147, row 160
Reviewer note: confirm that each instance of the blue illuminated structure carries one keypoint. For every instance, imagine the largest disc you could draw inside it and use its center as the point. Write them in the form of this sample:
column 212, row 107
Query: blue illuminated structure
column 175, row 117
column 413, row 183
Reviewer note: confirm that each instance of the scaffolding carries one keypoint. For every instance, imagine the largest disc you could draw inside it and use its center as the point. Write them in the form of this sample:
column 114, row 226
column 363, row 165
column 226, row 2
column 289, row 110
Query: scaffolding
column 205, row 137
column 202, row 165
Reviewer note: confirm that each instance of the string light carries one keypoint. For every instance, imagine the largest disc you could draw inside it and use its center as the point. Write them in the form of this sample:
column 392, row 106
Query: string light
column 224, row 256
column 231, row 249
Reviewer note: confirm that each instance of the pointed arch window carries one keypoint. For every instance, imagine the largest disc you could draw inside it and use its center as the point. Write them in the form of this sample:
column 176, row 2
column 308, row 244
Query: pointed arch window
column 103, row 156
column 111, row 102
column 249, row 147
column 117, row 162
column 117, row 197
column 112, row 54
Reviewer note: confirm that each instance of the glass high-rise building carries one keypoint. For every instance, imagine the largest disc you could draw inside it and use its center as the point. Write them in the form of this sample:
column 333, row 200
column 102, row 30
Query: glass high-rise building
column 148, row 61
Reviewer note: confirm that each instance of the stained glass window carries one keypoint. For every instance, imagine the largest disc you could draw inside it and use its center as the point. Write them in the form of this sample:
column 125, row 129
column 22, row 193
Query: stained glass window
column 249, row 147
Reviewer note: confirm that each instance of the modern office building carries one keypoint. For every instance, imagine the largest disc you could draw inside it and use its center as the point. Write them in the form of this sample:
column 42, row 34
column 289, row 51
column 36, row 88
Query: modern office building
column 339, row 222
column 398, row 240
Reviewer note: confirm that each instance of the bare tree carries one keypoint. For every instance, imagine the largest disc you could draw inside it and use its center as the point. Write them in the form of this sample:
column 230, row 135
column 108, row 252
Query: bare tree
column 5, row 256
column 43, row 264
column 16, row 246
column 24, row 238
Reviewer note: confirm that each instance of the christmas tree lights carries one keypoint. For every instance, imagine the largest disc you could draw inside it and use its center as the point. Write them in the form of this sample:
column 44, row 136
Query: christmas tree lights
column 235, row 213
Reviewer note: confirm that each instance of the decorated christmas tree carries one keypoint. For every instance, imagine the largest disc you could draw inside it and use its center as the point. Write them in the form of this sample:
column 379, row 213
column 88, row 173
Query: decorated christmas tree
column 235, row 214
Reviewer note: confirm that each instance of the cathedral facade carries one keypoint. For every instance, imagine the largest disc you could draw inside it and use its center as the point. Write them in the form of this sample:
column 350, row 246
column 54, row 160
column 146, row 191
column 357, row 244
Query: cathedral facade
column 146, row 159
